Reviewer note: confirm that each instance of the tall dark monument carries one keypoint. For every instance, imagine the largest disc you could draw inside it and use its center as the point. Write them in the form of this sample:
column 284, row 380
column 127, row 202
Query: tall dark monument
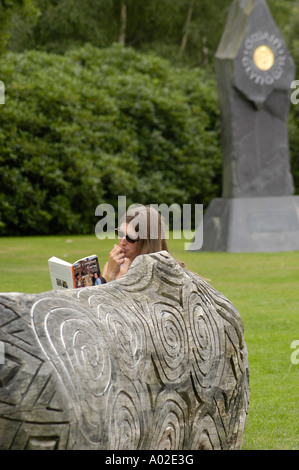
column 257, row 211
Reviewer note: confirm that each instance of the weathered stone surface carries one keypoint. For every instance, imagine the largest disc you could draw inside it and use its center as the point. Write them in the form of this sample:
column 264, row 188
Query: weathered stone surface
column 154, row 360
column 254, row 225
column 254, row 73
column 258, row 212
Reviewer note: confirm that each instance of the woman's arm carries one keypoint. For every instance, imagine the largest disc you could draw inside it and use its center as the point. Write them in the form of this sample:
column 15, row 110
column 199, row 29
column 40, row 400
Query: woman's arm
column 112, row 267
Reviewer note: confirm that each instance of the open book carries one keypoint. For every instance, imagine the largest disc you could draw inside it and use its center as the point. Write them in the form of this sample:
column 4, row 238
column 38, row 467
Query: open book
column 83, row 273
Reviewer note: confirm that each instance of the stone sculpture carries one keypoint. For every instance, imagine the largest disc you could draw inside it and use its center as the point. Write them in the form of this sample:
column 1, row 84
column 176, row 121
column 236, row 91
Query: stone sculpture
column 254, row 72
column 154, row 360
column 257, row 211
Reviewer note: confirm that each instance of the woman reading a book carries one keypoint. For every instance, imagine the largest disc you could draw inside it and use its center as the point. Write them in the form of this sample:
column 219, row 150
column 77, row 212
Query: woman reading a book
column 141, row 232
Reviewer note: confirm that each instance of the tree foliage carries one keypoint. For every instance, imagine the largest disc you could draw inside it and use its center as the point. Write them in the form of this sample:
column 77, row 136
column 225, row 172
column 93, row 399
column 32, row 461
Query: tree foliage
column 186, row 31
column 83, row 128
column 25, row 9
column 86, row 120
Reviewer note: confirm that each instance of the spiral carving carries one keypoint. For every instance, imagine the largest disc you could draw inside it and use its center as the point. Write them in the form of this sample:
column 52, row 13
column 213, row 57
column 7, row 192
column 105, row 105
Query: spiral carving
column 127, row 334
column 171, row 342
column 154, row 360
column 205, row 435
column 170, row 419
column 206, row 327
column 126, row 421
column 71, row 340
column 124, row 331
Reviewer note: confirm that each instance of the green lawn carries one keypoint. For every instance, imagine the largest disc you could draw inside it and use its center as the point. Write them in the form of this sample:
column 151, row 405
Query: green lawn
column 264, row 288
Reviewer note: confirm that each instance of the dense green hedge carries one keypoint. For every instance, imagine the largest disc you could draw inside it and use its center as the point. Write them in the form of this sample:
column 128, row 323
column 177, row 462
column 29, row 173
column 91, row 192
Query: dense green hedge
column 81, row 129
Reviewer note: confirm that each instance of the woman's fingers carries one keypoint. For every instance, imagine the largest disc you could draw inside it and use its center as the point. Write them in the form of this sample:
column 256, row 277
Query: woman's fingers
column 117, row 254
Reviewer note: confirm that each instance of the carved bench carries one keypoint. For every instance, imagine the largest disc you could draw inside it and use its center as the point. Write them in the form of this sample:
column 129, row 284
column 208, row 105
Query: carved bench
column 154, row 360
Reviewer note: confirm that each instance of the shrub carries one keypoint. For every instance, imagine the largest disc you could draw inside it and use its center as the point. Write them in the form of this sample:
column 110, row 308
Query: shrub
column 80, row 129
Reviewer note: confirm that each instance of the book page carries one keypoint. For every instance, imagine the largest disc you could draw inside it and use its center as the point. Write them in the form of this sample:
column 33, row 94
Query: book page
column 61, row 273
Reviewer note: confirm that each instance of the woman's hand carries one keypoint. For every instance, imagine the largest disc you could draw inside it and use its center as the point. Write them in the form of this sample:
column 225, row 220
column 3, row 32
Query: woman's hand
column 112, row 267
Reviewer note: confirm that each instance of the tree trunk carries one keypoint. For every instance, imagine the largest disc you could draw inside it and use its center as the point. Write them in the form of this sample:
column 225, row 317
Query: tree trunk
column 187, row 24
column 123, row 23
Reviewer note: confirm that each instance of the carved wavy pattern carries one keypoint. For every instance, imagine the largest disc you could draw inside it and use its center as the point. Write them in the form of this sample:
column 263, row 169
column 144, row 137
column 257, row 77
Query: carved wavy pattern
column 170, row 340
column 72, row 341
column 124, row 330
column 205, row 432
column 206, row 328
column 170, row 422
column 124, row 415
column 155, row 360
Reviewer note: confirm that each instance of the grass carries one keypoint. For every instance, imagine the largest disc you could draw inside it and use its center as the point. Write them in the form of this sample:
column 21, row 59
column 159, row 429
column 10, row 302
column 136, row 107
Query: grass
column 265, row 289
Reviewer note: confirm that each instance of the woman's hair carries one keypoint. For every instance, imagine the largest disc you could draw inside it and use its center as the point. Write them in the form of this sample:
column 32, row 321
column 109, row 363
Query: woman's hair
column 149, row 225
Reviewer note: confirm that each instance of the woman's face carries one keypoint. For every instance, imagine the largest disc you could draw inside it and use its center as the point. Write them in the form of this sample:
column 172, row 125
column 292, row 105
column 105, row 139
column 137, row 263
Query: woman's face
column 131, row 250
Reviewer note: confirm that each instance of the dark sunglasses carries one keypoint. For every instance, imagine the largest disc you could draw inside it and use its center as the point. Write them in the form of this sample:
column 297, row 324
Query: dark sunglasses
column 129, row 239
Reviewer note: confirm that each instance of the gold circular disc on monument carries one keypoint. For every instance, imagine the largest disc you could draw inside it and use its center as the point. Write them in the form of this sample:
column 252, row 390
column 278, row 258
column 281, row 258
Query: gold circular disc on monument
column 264, row 57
